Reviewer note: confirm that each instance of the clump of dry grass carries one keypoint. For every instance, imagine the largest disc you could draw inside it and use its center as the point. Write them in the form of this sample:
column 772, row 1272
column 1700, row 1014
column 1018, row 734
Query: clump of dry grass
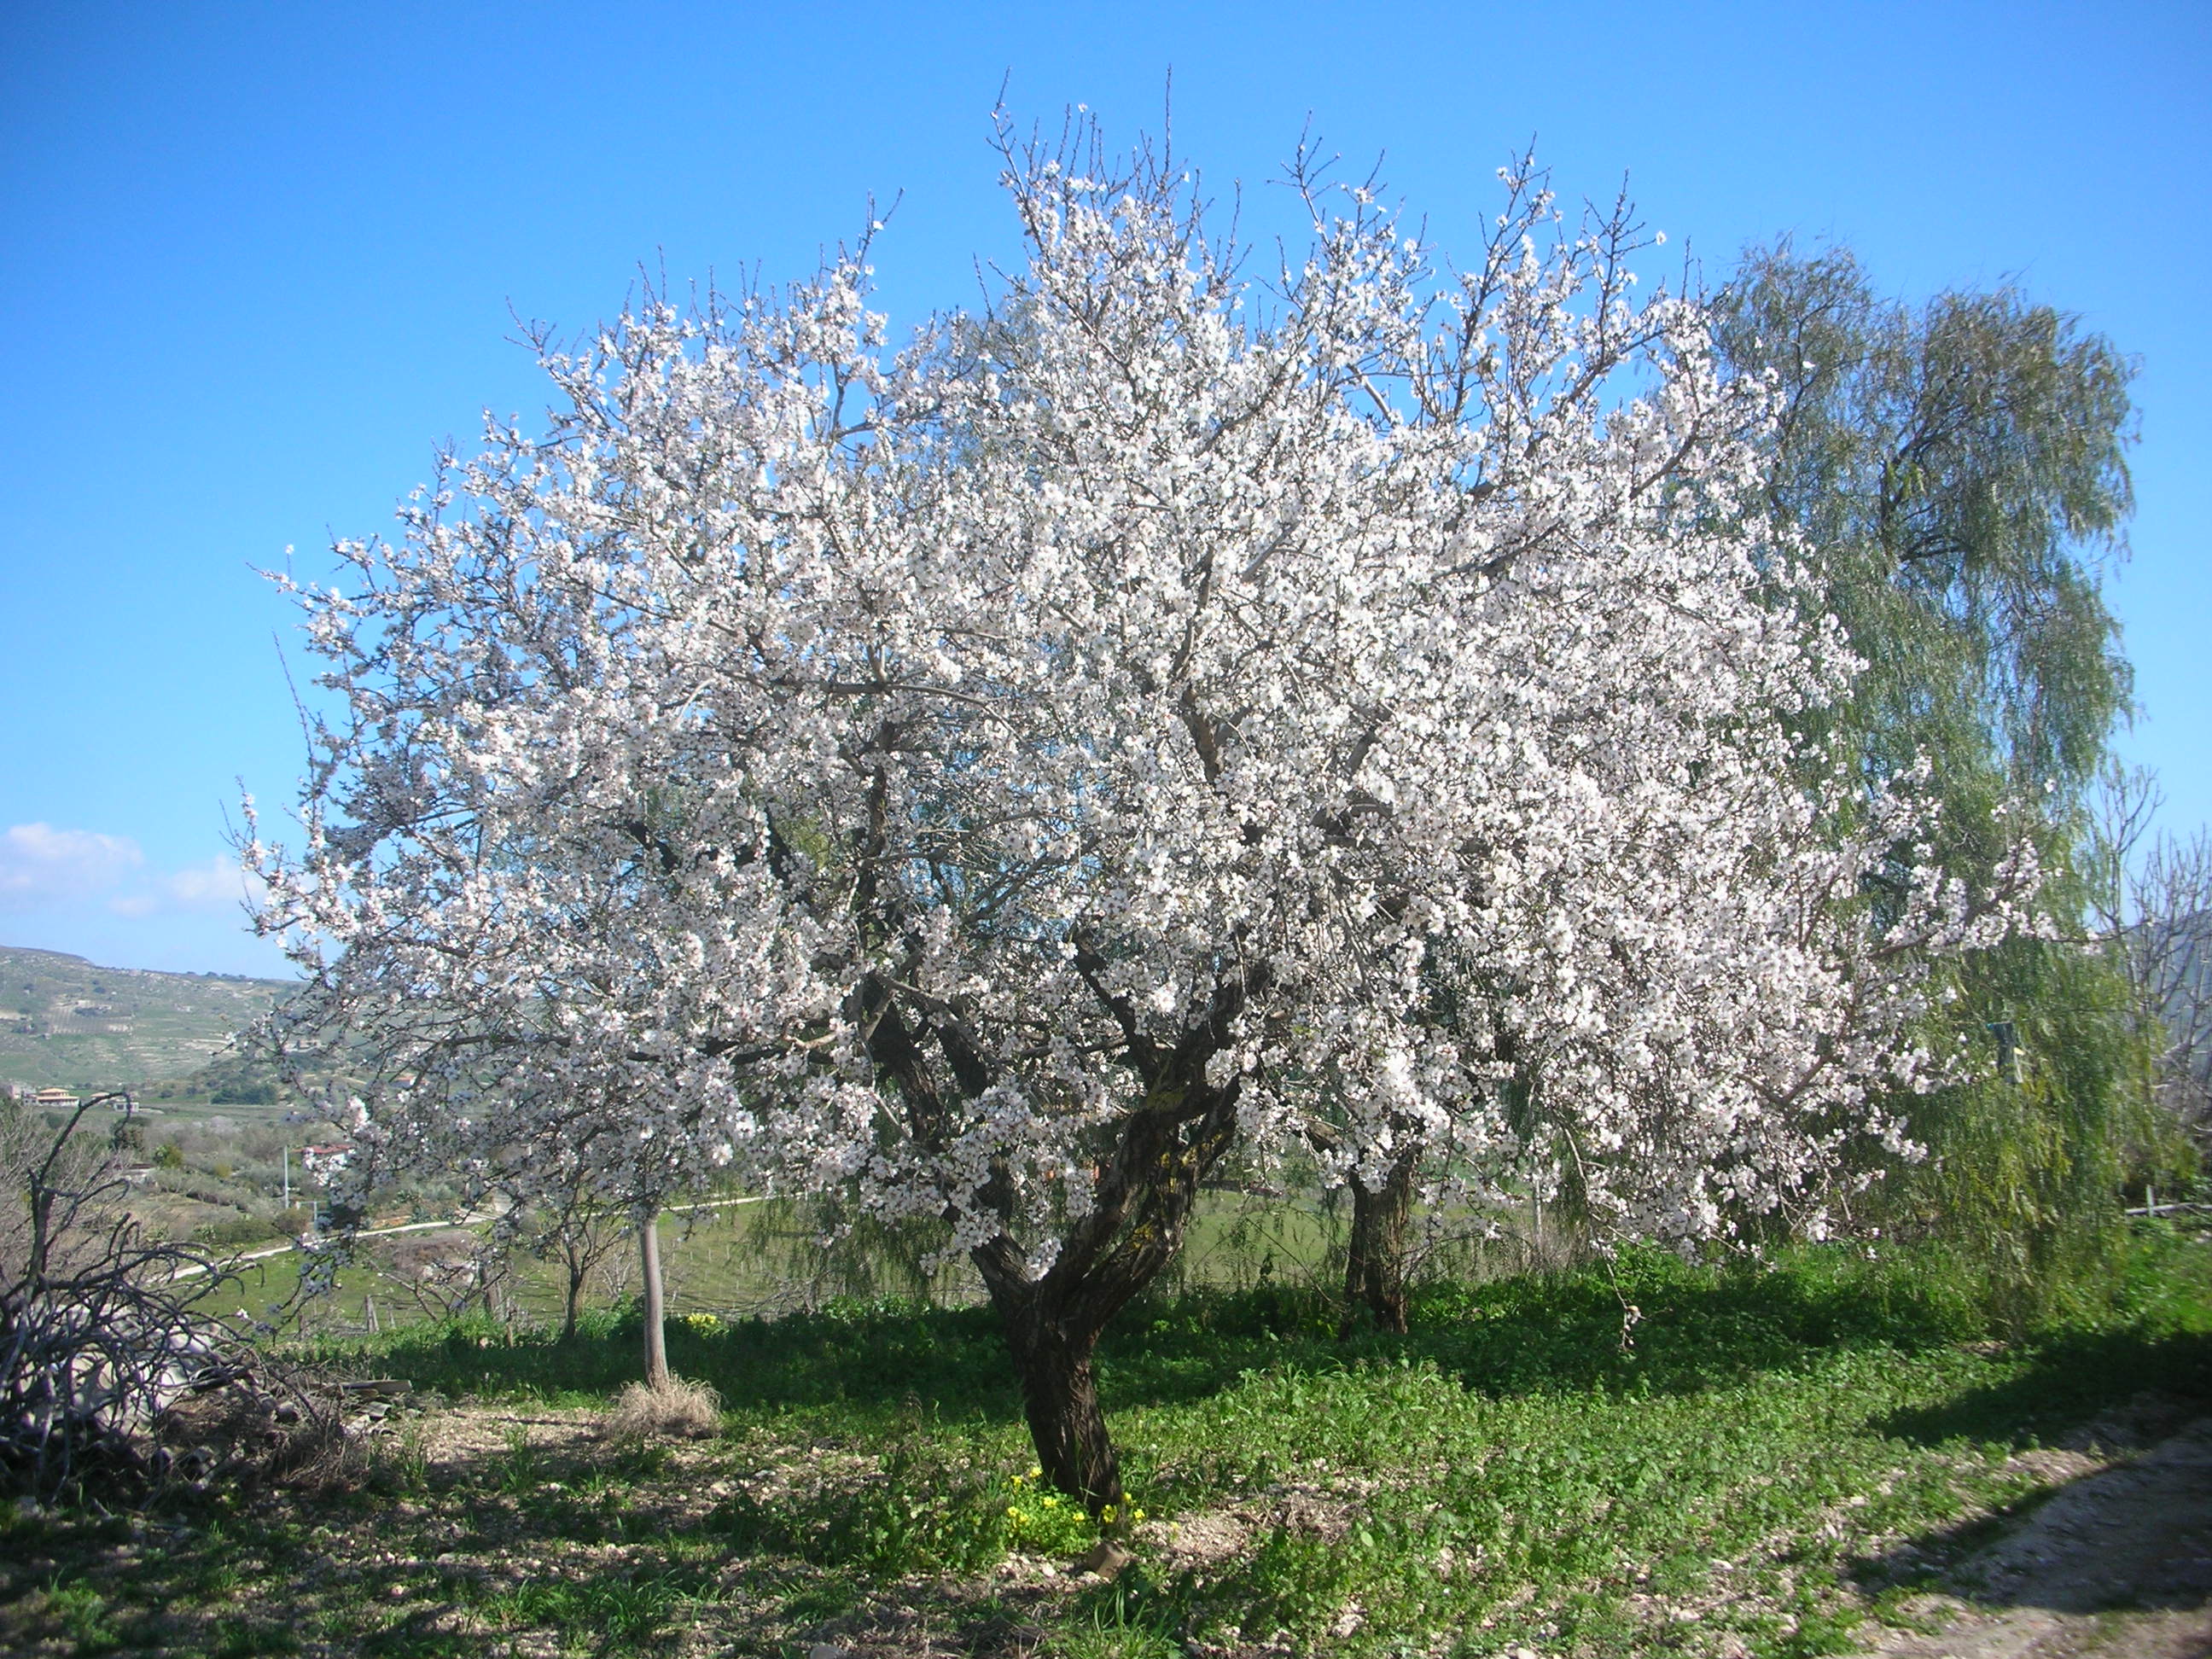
column 682, row 1410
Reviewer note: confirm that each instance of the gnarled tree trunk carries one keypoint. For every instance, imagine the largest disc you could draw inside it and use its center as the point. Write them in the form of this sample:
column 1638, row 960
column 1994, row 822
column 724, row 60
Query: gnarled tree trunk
column 1052, row 1346
column 1141, row 1202
column 1375, row 1265
column 1052, row 1320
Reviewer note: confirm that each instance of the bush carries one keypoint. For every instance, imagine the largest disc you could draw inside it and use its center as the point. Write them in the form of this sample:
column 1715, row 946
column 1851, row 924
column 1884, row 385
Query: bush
column 232, row 1235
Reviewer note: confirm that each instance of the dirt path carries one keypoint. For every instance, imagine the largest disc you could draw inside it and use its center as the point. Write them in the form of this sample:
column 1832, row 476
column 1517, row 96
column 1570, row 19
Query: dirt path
column 2118, row 1564
column 457, row 1224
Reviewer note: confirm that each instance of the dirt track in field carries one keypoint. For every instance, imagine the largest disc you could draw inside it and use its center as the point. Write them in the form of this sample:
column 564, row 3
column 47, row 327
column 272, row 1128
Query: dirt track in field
column 2116, row 1565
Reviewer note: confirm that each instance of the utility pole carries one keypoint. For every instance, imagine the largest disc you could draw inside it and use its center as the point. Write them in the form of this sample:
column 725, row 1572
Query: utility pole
column 2008, row 1037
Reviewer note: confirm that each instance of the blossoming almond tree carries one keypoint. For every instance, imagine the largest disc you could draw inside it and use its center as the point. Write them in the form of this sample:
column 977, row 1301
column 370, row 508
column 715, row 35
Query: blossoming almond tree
column 997, row 776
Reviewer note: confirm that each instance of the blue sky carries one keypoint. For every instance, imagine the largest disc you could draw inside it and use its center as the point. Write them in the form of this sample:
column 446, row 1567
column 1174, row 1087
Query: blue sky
column 256, row 261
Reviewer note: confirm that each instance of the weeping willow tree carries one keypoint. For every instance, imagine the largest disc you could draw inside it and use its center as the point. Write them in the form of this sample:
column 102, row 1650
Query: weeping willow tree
column 1958, row 472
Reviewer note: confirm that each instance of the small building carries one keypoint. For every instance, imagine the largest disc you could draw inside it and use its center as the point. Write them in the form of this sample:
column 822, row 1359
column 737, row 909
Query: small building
column 54, row 1100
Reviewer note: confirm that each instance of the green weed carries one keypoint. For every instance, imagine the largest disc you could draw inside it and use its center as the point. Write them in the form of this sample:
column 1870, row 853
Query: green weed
column 403, row 1466
column 520, row 1472
column 250, row 1640
column 85, row 1614
column 1099, row 1635
column 625, row 1610
column 1040, row 1522
column 933, row 1504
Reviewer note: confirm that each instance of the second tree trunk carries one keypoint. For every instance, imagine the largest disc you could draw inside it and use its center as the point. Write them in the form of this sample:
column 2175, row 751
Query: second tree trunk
column 1375, row 1265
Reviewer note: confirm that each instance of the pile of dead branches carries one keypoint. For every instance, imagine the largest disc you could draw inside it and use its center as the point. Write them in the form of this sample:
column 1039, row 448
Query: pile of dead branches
column 116, row 1382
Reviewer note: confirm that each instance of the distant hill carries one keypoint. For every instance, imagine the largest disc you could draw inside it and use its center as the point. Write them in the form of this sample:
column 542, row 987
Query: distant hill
column 64, row 1021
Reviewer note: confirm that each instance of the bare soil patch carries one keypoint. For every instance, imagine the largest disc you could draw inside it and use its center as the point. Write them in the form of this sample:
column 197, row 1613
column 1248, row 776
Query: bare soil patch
column 2117, row 1562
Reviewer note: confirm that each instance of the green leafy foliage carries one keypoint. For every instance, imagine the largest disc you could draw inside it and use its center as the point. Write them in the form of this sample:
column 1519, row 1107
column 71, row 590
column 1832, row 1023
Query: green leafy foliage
column 1957, row 472
column 935, row 1503
column 625, row 1610
column 85, row 1614
column 1041, row 1522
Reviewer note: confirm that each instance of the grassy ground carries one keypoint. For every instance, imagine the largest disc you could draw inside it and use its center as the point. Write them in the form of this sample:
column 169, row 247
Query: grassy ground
column 1780, row 1462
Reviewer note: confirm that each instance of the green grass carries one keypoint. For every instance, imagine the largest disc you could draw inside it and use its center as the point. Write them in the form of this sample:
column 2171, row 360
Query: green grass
column 1507, row 1474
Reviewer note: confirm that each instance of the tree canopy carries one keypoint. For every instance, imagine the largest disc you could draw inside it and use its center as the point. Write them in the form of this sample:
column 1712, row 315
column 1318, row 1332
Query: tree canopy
column 1956, row 472
column 1959, row 471
column 995, row 776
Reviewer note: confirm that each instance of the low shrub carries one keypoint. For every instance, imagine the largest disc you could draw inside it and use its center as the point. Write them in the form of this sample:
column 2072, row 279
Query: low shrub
column 231, row 1235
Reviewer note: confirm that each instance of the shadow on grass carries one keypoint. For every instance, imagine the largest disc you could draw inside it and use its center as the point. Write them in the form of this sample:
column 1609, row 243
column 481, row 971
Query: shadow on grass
column 1696, row 1328
column 872, row 1358
column 1693, row 1329
column 2069, row 1377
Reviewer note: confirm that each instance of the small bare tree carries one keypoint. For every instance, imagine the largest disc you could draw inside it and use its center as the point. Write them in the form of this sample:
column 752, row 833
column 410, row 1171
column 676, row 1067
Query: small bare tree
column 448, row 1274
column 2154, row 904
column 2173, row 969
column 580, row 1231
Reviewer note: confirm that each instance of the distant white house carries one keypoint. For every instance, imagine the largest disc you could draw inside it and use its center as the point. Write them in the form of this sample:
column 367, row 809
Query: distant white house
column 54, row 1100
column 320, row 1161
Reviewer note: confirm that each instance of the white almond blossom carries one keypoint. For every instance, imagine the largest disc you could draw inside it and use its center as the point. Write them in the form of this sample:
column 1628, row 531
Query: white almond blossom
column 994, row 777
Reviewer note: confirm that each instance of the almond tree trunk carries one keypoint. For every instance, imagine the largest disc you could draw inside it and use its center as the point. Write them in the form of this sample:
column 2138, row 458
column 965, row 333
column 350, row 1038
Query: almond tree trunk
column 1053, row 1320
column 1052, row 1348
column 1375, row 1265
column 1146, row 1186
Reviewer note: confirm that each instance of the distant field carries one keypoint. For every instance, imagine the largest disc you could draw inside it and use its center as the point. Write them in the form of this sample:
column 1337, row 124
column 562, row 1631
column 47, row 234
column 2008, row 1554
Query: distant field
column 66, row 1022
column 740, row 1259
